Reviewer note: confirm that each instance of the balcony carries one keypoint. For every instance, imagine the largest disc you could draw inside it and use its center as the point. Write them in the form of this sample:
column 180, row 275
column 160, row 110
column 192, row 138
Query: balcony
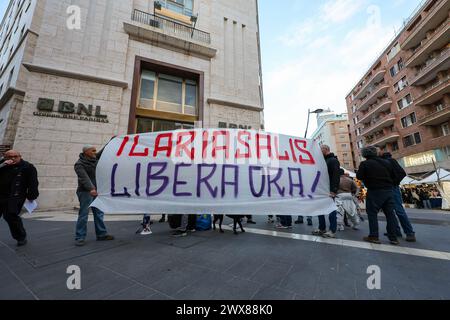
column 383, row 105
column 166, row 33
column 436, row 118
column 432, row 68
column 377, row 77
column 379, row 124
column 435, row 93
column 435, row 41
column 390, row 137
column 431, row 21
column 378, row 92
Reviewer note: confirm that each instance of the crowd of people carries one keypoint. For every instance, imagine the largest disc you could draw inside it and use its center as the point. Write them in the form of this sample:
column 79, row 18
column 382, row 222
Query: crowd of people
column 379, row 174
column 420, row 196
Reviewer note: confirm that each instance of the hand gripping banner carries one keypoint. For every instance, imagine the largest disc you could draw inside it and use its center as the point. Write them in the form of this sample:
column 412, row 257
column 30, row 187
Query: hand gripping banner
column 207, row 171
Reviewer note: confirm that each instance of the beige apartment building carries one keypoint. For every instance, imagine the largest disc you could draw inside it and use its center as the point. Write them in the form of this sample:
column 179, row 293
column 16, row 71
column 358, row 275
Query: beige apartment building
column 402, row 102
column 128, row 66
column 333, row 130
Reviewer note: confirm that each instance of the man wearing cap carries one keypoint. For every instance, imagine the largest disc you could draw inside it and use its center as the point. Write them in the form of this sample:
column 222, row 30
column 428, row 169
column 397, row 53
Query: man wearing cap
column 87, row 192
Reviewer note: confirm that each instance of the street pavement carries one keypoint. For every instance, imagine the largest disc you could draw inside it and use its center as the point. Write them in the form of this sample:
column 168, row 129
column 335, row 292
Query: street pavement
column 261, row 264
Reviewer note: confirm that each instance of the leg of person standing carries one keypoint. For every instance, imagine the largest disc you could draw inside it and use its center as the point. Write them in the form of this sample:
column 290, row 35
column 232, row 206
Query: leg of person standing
column 322, row 227
column 182, row 230
column 83, row 215
column 403, row 217
column 372, row 207
column 100, row 228
column 11, row 215
column 391, row 220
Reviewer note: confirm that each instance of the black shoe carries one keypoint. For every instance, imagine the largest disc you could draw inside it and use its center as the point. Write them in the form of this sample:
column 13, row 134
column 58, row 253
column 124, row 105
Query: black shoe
column 394, row 241
column 310, row 223
column 162, row 220
column 299, row 221
column 21, row 243
column 179, row 234
column 80, row 243
column 105, row 238
column 411, row 238
column 398, row 235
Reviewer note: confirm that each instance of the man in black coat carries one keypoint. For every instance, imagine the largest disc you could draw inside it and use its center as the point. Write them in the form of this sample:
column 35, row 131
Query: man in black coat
column 377, row 175
column 18, row 182
column 399, row 175
column 334, row 169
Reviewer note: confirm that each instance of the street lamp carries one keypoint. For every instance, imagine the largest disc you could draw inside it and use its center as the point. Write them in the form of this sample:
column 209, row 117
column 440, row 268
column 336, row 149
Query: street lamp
column 194, row 21
column 317, row 111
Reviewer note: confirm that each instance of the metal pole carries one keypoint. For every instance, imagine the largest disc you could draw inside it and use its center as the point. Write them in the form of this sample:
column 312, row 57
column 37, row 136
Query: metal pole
column 307, row 124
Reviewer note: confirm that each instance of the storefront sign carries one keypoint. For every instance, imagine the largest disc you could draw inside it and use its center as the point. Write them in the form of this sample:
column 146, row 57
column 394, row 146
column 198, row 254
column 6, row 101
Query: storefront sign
column 420, row 159
column 211, row 171
column 68, row 110
column 233, row 126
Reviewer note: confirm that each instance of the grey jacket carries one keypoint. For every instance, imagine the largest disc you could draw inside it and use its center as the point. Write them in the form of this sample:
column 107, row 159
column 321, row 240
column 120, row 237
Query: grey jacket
column 85, row 170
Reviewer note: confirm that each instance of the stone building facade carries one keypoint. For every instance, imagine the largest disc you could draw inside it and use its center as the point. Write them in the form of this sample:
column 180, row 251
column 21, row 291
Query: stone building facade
column 333, row 130
column 128, row 66
column 402, row 102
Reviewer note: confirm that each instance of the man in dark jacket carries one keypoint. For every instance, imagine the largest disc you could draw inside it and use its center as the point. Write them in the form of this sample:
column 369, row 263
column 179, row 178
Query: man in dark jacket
column 334, row 168
column 399, row 175
column 18, row 182
column 87, row 192
column 377, row 175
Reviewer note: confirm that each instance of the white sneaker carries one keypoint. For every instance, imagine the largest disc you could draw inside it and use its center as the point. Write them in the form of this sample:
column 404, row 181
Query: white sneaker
column 280, row 226
column 146, row 231
column 329, row 234
column 341, row 227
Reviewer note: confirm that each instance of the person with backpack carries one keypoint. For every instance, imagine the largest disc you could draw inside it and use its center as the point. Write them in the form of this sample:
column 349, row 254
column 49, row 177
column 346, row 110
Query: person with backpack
column 377, row 175
column 398, row 175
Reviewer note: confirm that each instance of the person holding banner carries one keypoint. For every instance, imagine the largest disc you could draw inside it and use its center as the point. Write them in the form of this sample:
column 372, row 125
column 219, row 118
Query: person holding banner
column 334, row 168
column 87, row 192
column 18, row 182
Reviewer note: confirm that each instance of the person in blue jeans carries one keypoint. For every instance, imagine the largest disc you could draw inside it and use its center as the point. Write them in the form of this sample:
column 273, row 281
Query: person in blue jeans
column 87, row 192
column 398, row 175
column 377, row 174
column 334, row 168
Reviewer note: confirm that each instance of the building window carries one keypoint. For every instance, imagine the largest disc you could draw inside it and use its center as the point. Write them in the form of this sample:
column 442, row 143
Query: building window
column 409, row 120
column 395, row 146
column 168, row 93
column 393, row 52
column 396, row 68
column 360, row 144
column 345, row 155
column 179, row 6
column 405, row 102
column 145, row 125
column 412, row 140
column 445, row 129
column 402, row 84
column 343, row 145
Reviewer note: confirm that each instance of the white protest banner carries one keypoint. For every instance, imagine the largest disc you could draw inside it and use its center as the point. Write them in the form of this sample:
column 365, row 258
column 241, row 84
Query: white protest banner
column 208, row 171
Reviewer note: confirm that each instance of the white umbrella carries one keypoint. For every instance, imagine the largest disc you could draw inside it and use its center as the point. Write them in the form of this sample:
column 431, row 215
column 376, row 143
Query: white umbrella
column 407, row 181
column 444, row 175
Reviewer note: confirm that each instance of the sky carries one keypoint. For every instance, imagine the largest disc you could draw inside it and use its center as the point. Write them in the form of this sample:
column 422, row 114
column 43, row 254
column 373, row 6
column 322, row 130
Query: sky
column 315, row 51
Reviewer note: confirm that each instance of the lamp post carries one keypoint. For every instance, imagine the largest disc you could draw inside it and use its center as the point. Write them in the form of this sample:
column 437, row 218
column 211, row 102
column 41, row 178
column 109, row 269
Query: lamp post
column 317, row 111
column 194, row 21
